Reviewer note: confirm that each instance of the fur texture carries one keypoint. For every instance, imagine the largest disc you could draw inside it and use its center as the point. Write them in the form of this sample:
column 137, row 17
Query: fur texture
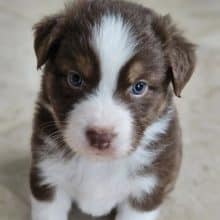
column 108, row 68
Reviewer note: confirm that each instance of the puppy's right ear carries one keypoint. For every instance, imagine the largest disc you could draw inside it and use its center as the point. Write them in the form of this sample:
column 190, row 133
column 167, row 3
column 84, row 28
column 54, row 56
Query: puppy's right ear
column 47, row 34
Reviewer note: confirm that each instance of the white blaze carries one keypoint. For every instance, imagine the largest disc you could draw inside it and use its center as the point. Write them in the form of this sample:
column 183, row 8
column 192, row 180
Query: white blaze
column 114, row 45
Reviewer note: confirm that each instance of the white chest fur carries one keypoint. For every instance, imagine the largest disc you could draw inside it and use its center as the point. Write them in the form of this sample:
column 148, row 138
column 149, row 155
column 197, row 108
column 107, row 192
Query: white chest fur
column 98, row 187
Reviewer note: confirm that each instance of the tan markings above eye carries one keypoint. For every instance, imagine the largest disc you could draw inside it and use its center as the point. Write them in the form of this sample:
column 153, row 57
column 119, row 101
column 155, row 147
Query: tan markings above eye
column 84, row 64
column 135, row 71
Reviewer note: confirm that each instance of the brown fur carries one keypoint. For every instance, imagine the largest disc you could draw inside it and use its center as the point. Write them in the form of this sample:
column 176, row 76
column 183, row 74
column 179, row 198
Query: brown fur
column 164, row 57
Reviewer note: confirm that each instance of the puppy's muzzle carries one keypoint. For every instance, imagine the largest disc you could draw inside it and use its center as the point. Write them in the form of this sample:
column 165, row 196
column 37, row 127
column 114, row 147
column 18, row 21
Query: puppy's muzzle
column 100, row 138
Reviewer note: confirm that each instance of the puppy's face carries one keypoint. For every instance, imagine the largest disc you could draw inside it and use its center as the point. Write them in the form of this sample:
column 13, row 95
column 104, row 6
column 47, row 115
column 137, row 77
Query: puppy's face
column 107, row 75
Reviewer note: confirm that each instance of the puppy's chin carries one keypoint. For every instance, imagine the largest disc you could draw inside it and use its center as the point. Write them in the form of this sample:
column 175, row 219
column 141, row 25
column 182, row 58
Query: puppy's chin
column 102, row 155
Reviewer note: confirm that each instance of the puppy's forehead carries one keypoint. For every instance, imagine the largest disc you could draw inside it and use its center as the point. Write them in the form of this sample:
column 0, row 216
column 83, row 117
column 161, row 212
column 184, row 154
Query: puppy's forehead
column 114, row 43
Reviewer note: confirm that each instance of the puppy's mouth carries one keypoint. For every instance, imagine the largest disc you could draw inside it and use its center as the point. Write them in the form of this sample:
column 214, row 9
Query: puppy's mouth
column 102, row 153
column 94, row 153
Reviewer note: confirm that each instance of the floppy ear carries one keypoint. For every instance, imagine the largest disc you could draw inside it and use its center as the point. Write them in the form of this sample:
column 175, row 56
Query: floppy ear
column 179, row 52
column 47, row 34
column 181, row 56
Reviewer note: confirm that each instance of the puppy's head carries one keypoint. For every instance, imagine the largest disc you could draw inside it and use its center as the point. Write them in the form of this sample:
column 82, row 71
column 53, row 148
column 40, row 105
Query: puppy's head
column 108, row 67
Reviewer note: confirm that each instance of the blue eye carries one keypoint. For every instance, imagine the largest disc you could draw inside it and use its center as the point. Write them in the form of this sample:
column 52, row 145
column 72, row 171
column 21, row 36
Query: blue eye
column 139, row 88
column 75, row 79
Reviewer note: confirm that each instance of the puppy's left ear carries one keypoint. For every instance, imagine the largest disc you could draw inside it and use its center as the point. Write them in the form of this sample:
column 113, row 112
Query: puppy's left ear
column 179, row 52
column 182, row 59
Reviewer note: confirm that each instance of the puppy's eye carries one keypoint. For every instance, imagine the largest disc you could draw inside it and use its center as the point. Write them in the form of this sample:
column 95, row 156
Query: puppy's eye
column 75, row 79
column 139, row 88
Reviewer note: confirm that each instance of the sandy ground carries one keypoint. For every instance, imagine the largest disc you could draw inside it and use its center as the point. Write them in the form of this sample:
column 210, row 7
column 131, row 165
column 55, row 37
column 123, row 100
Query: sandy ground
column 197, row 195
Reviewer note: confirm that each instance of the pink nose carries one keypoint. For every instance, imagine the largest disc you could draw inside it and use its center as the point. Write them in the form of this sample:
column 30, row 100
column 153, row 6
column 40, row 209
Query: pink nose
column 100, row 138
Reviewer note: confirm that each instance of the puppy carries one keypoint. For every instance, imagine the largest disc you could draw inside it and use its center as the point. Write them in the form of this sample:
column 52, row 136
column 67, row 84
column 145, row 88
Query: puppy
column 106, row 134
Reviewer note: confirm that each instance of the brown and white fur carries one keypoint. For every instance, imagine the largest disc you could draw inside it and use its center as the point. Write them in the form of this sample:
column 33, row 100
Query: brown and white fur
column 99, row 144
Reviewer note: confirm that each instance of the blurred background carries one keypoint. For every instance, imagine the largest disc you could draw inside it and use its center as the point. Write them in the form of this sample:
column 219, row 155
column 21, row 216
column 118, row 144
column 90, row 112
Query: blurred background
column 197, row 195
